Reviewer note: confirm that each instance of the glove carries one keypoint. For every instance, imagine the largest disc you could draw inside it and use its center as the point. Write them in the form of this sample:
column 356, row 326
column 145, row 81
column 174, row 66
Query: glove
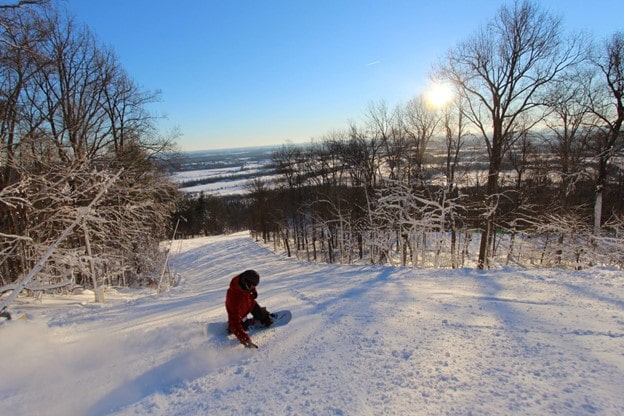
column 250, row 344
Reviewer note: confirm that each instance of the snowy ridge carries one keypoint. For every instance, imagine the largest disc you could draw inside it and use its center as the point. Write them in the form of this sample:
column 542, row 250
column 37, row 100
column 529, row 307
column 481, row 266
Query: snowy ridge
column 364, row 340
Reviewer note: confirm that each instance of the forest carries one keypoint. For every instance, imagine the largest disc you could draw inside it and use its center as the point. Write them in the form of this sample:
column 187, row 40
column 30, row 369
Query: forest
column 525, row 162
column 85, row 198
column 523, row 166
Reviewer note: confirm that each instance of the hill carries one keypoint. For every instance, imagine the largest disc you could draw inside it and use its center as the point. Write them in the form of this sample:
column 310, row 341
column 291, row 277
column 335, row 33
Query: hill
column 364, row 340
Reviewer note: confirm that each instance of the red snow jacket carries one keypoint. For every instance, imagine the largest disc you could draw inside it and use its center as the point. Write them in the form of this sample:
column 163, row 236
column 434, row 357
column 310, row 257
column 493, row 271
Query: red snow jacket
column 238, row 304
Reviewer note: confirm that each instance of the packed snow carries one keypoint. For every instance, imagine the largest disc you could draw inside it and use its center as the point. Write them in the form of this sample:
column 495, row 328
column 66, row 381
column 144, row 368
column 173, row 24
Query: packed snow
column 364, row 340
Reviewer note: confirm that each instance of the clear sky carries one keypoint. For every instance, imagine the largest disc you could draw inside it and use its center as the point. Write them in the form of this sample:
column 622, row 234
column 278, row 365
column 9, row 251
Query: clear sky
column 259, row 72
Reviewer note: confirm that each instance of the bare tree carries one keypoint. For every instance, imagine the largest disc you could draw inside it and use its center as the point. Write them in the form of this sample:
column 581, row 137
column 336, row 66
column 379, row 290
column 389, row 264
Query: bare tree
column 287, row 161
column 70, row 118
column 380, row 128
column 21, row 59
column 23, row 3
column 607, row 105
column 500, row 72
column 421, row 122
column 260, row 210
column 455, row 135
column 569, row 126
column 332, row 169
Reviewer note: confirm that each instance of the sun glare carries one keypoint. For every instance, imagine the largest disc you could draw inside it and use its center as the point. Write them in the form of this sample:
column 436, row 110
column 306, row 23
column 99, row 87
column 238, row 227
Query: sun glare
column 437, row 95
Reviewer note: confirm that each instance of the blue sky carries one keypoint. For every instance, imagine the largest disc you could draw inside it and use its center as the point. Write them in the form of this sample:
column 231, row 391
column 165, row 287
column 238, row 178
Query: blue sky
column 248, row 73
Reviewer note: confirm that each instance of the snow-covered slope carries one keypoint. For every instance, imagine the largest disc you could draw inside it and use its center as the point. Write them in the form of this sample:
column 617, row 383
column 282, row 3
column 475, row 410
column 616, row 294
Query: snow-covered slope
column 363, row 341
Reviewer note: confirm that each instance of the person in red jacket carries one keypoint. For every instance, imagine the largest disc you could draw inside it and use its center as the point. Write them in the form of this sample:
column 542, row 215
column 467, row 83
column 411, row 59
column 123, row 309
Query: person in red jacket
column 240, row 301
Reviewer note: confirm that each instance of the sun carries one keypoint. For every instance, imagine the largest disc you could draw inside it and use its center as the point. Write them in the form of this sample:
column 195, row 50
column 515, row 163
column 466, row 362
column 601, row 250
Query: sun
column 438, row 94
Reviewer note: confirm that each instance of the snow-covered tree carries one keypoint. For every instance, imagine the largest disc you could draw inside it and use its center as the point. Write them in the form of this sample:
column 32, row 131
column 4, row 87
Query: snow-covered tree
column 606, row 98
column 70, row 121
column 500, row 72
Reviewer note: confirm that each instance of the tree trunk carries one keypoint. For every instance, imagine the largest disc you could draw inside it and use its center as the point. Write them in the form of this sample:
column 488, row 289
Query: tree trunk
column 492, row 190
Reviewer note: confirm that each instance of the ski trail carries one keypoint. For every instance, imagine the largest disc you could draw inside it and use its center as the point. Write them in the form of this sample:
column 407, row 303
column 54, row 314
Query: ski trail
column 363, row 340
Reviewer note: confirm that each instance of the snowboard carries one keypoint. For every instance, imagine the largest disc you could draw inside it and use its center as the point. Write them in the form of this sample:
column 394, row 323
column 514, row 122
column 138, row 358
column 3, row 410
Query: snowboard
column 280, row 318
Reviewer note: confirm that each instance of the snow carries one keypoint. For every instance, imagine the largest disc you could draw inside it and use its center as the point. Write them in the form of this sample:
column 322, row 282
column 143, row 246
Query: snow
column 364, row 340
column 252, row 163
column 193, row 175
column 228, row 187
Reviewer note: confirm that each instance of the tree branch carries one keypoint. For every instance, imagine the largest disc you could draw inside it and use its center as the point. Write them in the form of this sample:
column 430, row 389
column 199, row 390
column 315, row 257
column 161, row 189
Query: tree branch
column 24, row 3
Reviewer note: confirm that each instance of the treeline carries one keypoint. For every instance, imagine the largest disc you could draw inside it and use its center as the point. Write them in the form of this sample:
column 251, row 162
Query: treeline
column 523, row 166
column 332, row 215
column 205, row 215
column 323, row 210
column 542, row 111
column 74, row 126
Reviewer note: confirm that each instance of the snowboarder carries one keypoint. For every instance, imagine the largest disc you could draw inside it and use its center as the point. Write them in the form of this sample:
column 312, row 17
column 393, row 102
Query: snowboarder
column 240, row 301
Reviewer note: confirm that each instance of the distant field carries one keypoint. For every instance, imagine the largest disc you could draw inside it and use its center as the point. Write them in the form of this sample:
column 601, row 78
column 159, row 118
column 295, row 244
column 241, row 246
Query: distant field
column 225, row 171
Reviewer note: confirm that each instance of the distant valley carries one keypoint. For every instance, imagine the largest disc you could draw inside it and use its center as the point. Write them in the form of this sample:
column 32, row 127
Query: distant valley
column 224, row 171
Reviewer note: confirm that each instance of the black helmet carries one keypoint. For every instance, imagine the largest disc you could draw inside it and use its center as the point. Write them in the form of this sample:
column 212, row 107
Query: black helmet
column 248, row 279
